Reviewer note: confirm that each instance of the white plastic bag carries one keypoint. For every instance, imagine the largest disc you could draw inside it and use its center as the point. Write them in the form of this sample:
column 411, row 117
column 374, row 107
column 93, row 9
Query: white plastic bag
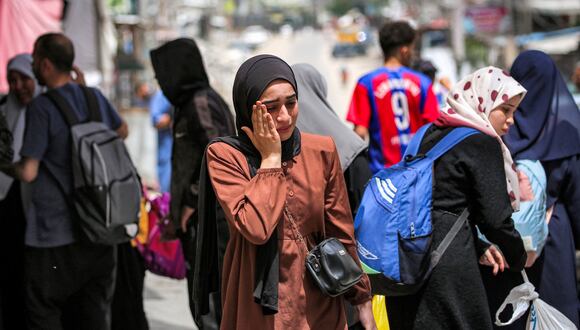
column 542, row 316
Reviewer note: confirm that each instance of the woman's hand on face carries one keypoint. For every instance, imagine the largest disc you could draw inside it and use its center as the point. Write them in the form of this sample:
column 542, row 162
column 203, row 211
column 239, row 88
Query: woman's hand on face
column 265, row 137
column 493, row 258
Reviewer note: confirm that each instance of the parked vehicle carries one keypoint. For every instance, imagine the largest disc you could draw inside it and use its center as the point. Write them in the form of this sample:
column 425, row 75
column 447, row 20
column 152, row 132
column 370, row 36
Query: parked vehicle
column 254, row 36
column 347, row 49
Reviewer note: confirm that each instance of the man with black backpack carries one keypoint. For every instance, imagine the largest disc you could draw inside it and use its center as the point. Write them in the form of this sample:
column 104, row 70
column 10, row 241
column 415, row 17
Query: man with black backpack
column 69, row 272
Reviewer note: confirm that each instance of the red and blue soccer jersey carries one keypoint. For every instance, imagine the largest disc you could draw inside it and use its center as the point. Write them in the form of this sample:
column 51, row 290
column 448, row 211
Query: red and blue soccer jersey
column 392, row 104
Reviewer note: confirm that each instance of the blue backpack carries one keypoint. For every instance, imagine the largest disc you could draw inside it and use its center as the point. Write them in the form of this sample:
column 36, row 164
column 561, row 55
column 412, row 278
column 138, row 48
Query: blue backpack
column 393, row 225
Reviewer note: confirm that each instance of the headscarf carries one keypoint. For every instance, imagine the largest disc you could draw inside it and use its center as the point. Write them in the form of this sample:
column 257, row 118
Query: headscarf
column 23, row 64
column 547, row 123
column 318, row 117
column 252, row 79
column 470, row 103
column 179, row 70
column 15, row 113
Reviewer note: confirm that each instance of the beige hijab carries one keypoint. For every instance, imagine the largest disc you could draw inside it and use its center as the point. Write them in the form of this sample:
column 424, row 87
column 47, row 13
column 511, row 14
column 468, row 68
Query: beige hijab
column 470, row 103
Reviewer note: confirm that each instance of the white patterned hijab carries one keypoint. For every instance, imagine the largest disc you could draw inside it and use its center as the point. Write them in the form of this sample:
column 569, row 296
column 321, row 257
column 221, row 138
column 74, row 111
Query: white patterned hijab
column 470, row 103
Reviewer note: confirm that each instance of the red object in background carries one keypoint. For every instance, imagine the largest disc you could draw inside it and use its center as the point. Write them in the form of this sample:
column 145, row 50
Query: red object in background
column 487, row 19
column 21, row 22
column 160, row 257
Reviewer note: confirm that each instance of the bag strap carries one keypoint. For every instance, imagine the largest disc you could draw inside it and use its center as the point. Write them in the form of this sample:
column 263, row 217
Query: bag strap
column 415, row 143
column 63, row 107
column 294, row 227
column 92, row 104
column 66, row 110
column 520, row 298
column 525, row 276
column 450, row 140
column 438, row 253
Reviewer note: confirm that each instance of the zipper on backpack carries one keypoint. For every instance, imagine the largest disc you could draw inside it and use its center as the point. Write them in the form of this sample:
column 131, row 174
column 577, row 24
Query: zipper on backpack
column 107, row 194
column 413, row 210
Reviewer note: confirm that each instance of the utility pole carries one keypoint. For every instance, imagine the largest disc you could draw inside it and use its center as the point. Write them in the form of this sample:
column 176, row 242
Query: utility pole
column 458, row 33
column 315, row 13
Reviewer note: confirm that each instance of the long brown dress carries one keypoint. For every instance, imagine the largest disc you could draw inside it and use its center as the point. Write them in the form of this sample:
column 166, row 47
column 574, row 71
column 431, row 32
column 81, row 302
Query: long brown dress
column 312, row 185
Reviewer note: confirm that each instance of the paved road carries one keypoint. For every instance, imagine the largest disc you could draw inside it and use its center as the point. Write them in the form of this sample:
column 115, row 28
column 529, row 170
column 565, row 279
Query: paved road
column 166, row 304
column 166, row 299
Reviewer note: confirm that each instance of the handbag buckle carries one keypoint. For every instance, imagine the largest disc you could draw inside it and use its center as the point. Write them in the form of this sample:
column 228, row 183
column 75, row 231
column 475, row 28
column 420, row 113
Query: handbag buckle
column 313, row 261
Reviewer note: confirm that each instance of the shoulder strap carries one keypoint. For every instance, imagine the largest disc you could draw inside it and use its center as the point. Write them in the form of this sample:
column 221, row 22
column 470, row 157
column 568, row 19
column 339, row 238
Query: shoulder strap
column 450, row 140
column 415, row 143
column 92, row 104
column 63, row 107
column 438, row 253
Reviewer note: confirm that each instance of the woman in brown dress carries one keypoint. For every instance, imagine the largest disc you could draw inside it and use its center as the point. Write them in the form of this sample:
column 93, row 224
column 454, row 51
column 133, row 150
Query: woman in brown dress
column 277, row 175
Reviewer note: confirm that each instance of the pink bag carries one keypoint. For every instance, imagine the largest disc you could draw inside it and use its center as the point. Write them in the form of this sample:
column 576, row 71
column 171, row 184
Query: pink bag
column 163, row 258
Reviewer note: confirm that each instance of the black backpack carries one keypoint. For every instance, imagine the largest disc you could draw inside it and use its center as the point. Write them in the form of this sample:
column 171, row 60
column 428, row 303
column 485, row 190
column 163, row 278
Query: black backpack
column 106, row 186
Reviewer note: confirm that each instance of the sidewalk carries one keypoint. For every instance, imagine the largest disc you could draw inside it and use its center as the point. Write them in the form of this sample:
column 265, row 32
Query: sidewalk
column 166, row 304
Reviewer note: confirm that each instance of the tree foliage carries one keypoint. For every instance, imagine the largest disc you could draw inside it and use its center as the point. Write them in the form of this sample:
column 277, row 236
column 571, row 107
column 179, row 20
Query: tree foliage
column 340, row 7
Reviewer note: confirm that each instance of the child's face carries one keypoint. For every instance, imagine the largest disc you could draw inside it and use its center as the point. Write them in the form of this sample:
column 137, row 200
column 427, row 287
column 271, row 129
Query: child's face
column 502, row 117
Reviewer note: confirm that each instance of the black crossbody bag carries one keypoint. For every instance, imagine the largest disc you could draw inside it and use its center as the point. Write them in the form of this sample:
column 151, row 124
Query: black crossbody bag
column 330, row 265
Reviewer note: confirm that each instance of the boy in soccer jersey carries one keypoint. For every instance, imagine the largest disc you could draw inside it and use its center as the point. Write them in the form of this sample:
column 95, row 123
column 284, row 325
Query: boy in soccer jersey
column 390, row 103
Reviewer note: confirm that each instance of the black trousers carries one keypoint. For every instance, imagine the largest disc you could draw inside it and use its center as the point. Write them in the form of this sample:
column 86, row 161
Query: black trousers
column 70, row 287
column 12, row 222
column 188, row 244
column 127, row 308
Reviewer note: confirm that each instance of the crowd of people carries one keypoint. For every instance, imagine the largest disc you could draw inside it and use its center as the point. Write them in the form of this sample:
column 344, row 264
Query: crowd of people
column 252, row 195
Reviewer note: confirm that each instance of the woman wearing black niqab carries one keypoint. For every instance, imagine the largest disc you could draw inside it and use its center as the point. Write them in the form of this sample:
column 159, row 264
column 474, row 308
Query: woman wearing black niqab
column 201, row 115
column 273, row 174
column 547, row 128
